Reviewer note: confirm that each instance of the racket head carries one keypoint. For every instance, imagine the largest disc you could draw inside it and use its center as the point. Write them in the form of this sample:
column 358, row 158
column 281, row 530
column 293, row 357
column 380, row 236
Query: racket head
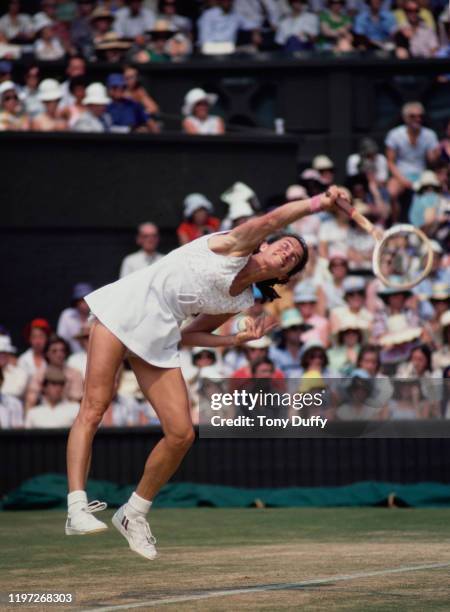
column 410, row 248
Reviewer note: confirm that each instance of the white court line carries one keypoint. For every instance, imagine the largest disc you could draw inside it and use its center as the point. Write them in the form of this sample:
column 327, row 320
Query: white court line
column 269, row 587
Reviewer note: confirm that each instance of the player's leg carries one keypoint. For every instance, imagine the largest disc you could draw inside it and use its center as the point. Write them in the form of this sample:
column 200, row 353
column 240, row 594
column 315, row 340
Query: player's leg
column 166, row 391
column 105, row 354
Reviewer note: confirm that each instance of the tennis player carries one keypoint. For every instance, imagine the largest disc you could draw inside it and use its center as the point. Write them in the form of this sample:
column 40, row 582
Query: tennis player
column 139, row 317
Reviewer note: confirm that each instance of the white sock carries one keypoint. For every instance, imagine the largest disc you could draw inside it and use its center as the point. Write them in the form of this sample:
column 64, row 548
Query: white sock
column 138, row 506
column 76, row 501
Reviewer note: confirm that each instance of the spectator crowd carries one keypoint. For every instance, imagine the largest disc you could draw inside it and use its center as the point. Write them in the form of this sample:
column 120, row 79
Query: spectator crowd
column 379, row 352
column 127, row 34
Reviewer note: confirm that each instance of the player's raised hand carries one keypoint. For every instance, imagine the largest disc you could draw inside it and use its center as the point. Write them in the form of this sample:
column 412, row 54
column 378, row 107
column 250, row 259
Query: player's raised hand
column 332, row 195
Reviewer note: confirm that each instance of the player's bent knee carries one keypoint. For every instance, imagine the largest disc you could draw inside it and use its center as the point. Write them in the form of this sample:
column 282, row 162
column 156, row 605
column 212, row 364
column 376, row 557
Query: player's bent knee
column 92, row 411
column 181, row 440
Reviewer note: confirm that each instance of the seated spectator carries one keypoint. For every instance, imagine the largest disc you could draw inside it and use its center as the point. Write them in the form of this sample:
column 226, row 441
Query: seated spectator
column 66, row 11
column 419, row 366
column 335, row 28
column 254, row 351
column 314, row 359
column 5, row 71
column 56, row 353
column 310, row 179
column 126, row 114
column 306, row 225
column 374, row 27
column 29, row 93
column 76, row 68
column 81, row 34
column 12, row 116
column 441, row 357
column 133, row 20
column 94, row 118
column 51, row 120
column 198, row 218
column 36, row 333
column 16, row 27
column 325, row 167
column 334, row 287
column 14, row 377
column 334, row 233
column 244, row 202
column 349, row 335
column 369, row 360
column 11, row 410
column 78, row 359
column 73, row 112
column 47, row 47
column 221, row 24
column 368, row 161
column 439, row 273
column 168, row 10
column 299, row 30
column 415, row 38
column 72, row 319
column 101, row 20
column 432, row 307
column 444, row 38
column 445, row 143
column 148, row 239
column 196, row 112
column 369, row 199
column 359, row 405
column 407, row 403
column 409, row 148
column 395, row 302
column 428, row 204
column 305, row 300
column 125, row 410
column 445, row 404
column 54, row 411
column 425, row 15
column 286, row 356
column 397, row 342
column 137, row 92
column 112, row 49
column 354, row 288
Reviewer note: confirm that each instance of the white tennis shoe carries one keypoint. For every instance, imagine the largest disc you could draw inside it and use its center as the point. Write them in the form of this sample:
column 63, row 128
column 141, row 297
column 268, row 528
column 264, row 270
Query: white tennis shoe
column 83, row 522
column 137, row 532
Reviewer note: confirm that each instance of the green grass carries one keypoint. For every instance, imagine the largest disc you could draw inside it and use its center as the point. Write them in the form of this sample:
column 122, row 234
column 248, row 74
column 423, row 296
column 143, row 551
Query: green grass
column 203, row 549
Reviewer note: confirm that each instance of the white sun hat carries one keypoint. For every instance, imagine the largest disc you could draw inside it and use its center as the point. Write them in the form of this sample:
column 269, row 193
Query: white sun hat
column 6, row 346
column 240, row 208
column 399, row 331
column 7, row 86
column 96, row 94
column 194, row 96
column 193, row 202
column 49, row 90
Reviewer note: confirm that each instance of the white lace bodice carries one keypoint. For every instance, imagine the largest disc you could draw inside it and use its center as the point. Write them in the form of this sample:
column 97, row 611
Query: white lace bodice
column 206, row 287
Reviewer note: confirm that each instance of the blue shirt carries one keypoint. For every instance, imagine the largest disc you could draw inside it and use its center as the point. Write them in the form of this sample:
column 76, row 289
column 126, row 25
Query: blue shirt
column 215, row 25
column 411, row 160
column 127, row 113
column 375, row 29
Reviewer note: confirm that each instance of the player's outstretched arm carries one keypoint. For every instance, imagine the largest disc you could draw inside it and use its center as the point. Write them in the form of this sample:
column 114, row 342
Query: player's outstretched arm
column 243, row 239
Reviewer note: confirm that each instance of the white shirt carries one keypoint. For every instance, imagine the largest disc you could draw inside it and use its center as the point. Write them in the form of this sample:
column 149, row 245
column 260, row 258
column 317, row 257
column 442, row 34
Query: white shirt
column 125, row 411
column 299, row 25
column 15, row 381
column 210, row 126
column 26, row 362
column 69, row 324
column 216, row 26
column 45, row 416
column 89, row 123
column 381, row 166
column 11, row 412
column 78, row 361
column 21, row 25
column 255, row 11
column 49, row 51
column 129, row 26
column 411, row 159
column 137, row 261
column 334, row 234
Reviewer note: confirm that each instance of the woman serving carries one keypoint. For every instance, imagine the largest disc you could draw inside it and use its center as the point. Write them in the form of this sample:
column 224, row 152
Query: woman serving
column 139, row 317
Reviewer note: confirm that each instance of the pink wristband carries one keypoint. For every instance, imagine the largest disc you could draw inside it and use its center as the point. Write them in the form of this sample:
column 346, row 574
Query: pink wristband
column 315, row 204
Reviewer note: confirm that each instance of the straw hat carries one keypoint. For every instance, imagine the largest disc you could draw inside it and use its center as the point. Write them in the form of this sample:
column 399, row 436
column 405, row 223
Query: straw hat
column 348, row 321
column 194, row 96
column 96, row 94
column 49, row 90
column 322, row 162
column 296, row 192
column 260, row 343
column 440, row 291
column 427, row 179
column 101, row 13
column 399, row 331
column 112, row 41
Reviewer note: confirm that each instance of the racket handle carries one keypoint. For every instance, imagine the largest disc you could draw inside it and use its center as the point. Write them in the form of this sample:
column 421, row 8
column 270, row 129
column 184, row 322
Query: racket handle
column 357, row 217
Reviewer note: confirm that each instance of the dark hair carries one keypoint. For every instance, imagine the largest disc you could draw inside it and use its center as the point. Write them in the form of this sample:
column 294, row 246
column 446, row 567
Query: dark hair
column 399, row 384
column 79, row 81
column 445, row 392
column 369, row 348
column 57, row 340
column 344, row 331
column 255, row 365
column 426, row 352
column 266, row 287
column 304, row 362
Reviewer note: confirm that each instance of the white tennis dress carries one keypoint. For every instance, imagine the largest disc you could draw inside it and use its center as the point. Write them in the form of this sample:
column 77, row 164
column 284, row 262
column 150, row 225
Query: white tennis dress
column 145, row 309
